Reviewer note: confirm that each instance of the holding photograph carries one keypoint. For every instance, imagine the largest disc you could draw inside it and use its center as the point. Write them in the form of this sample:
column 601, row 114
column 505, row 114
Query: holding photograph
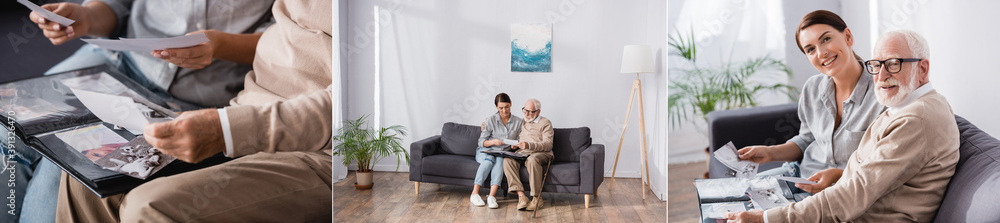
column 136, row 158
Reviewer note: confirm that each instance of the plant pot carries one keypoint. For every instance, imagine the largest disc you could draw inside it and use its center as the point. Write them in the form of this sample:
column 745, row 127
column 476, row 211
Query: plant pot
column 364, row 180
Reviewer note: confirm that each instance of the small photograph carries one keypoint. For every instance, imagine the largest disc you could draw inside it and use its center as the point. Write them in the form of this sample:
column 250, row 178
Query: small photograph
column 767, row 198
column 93, row 142
column 136, row 158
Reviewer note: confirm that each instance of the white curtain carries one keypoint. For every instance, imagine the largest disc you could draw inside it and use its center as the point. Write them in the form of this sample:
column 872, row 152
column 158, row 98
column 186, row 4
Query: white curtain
column 725, row 32
column 339, row 170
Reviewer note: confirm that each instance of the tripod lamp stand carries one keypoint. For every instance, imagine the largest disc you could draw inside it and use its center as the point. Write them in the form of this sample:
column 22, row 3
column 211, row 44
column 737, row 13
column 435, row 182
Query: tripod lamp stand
column 635, row 59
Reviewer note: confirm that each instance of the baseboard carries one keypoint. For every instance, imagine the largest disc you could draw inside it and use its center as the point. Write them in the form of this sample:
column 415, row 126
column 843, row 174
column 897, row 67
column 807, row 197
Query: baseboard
column 406, row 168
column 623, row 174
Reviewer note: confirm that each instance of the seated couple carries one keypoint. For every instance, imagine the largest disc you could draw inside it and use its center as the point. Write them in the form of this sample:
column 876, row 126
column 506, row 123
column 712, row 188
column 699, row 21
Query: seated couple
column 535, row 139
column 899, row 167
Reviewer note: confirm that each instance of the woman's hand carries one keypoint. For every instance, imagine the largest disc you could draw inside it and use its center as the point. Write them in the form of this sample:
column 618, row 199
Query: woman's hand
column 194, row 57
column 57, row 33
column 757, row 154
column 492, row 142
column 825, row 178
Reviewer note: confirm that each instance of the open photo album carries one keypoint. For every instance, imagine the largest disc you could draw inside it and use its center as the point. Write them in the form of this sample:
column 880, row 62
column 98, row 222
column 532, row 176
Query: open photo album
column 89, row 123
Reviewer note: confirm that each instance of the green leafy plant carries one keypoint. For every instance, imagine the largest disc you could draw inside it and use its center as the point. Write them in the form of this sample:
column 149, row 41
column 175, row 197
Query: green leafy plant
column 366, row 145
column 727, row 86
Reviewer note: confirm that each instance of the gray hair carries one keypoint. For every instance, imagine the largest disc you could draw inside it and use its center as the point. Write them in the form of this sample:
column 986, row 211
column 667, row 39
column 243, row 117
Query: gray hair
column 916, row 42
column 538, row 104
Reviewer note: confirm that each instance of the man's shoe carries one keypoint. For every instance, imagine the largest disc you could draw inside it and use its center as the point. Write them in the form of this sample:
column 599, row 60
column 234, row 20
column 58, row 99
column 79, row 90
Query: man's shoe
column 535, row 204
column 477, row 201
column 522, row 202
column 492, row 201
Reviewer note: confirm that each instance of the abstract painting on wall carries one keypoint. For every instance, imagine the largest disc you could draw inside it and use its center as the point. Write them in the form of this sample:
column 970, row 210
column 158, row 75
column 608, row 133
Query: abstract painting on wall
column 531, row 47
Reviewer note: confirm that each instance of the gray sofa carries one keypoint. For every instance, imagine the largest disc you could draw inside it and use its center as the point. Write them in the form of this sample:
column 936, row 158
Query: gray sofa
column 972, row 194
column 449, row 158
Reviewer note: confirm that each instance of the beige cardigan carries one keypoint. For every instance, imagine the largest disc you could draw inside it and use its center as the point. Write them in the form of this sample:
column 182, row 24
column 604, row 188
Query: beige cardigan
column 286, row 104
column 537, row 135
column 899, row 172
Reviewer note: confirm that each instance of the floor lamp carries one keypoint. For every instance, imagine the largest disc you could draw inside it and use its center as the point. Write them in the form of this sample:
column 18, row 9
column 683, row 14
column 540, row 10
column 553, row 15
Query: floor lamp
column 635, row 59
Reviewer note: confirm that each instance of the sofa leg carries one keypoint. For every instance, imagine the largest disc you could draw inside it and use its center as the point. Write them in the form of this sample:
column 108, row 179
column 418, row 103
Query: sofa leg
column 586, row 200
column 416, row 187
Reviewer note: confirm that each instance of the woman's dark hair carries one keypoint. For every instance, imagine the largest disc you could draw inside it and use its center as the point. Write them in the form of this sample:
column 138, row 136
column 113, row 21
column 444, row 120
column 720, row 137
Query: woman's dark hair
column 502, row 97
column 821, row 17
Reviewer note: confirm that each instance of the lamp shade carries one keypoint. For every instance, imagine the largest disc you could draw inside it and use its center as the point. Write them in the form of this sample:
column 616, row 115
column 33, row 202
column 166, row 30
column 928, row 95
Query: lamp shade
column 637, row 59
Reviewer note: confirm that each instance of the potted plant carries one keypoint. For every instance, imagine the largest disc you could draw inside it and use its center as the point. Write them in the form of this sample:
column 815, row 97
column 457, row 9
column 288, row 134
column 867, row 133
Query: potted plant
column 726, row 86
column 361, row 143
column 703, row 89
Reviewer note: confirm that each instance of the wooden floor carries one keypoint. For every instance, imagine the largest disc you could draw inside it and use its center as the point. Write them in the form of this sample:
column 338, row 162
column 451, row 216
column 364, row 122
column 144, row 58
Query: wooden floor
column 392, row 199
column 680, row 191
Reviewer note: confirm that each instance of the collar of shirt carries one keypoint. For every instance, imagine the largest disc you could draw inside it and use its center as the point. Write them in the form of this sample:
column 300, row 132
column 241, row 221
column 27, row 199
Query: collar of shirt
column 500, row 120
column 921, row 91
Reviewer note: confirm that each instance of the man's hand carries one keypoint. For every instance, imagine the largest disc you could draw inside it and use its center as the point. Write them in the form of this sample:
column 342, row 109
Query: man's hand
column 757, row 154
column 194, row 57
column 192, row 137
column 751, row 216
column 521, row 144
column 59, row 34
column 825, row 177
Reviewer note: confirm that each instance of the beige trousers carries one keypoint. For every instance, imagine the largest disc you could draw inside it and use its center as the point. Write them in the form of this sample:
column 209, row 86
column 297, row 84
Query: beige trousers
column 512, row 169
column 263, row 187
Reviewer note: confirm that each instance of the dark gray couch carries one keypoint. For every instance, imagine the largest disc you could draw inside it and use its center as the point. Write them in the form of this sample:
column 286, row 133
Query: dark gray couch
column 449, row 158
column 972, row 194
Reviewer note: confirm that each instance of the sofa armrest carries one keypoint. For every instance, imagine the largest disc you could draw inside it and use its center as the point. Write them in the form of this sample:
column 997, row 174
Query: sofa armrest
column 767, row 125
column 420, row 149
column 591, row 168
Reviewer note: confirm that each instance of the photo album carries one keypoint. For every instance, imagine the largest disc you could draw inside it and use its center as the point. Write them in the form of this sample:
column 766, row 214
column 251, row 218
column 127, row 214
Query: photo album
column 89, row 123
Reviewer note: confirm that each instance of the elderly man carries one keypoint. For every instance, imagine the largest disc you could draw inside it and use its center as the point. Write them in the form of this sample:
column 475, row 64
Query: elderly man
column 280, row 127
column 536, row 141
column 906, row 158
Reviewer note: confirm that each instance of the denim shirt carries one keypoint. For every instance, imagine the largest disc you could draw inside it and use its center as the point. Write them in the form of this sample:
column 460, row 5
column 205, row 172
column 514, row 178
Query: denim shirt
column 495, row 129
column 822, row 146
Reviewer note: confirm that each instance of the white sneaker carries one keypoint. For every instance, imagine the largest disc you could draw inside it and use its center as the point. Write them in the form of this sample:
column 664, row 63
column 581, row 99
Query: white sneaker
column 476, row 200
column 492, row 201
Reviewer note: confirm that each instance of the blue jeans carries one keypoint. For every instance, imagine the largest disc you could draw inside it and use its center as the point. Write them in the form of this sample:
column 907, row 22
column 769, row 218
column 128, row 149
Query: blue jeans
column 33, row 177
column 488, row 164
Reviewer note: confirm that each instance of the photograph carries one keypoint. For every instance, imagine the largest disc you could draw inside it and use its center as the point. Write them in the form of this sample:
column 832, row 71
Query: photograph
column 136, row 158
column 94, row 142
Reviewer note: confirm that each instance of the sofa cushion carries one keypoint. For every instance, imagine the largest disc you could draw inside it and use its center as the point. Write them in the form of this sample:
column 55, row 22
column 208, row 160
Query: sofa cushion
column 459, row 139
column 567, row 144
column 450, row 165
column 560, row 174
column 972, row 193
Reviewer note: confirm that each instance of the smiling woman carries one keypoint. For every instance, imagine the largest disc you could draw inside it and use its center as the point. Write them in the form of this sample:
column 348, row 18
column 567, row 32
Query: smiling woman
column 825, row 141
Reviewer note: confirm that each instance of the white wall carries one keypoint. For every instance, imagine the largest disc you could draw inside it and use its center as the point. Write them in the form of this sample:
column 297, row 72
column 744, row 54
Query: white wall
column 444, row 61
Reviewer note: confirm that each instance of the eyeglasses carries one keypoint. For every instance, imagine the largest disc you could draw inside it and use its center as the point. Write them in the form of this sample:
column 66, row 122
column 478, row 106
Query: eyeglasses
column 892, row 65
column 526, row 111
